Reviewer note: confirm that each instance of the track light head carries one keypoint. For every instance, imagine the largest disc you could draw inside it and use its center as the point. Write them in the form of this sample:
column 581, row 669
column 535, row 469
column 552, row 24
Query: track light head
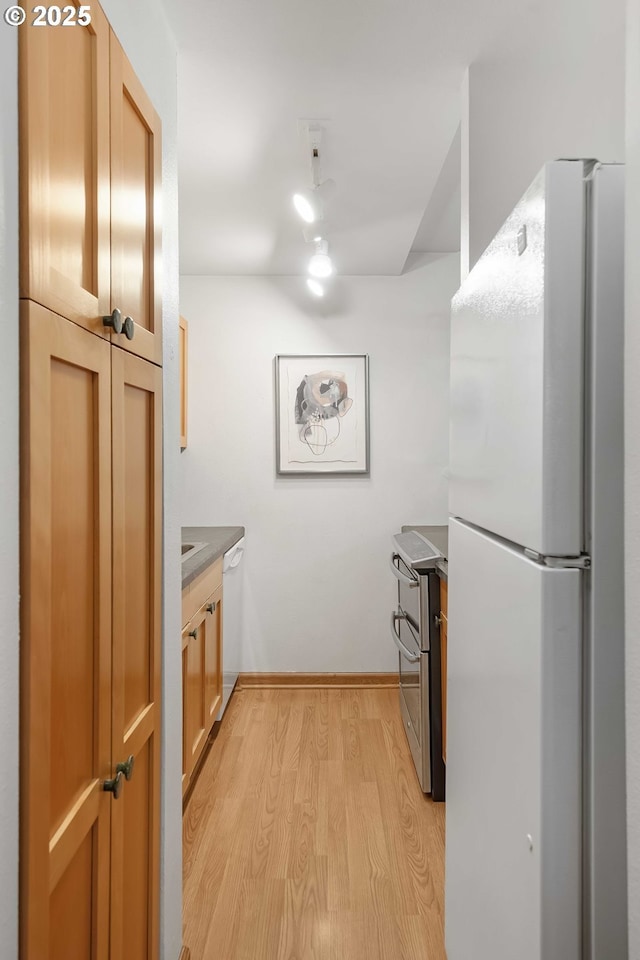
column 320, row 264
column 306, row 205
column 310, row 204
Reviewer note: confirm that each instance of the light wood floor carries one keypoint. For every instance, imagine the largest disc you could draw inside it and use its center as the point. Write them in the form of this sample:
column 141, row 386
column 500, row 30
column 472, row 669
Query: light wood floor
column 307, row 836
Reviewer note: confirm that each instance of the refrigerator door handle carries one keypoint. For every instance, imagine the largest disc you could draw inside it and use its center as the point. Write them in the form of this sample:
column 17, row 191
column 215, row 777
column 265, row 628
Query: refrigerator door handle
column 405, row 652
column 583, row 562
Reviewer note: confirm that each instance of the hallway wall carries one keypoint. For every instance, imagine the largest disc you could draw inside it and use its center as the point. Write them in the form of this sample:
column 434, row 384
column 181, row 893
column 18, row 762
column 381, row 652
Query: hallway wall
column 318, row 592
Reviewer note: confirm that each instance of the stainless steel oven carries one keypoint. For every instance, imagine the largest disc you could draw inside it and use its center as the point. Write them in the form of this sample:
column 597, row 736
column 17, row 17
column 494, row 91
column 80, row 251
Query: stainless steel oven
column 415, row 632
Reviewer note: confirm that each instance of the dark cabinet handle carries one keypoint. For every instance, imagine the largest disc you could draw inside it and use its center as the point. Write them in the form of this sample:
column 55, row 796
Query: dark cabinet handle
column 118, row 325
column 193, row 633
column 211, row 607
column 114, row 786
column 126, row 767
column 114, row 321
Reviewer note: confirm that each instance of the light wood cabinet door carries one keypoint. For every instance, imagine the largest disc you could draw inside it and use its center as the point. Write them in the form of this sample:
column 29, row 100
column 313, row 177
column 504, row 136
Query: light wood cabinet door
column 213, row 658
column 137, row 570
column 194, row 702
column 184, row 383
column 185, row 674
column 64, row 169
column 136, row 230
column 65, row 639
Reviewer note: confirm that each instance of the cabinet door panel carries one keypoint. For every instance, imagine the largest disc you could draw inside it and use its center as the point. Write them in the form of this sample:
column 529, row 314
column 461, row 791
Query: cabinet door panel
column 136, row 234
column 194, row 705
column 70, row 930
column 137, row 535
column 213, row 658
column 64, row 169
column 185, row 751
column 137, row 855
column 66, row 637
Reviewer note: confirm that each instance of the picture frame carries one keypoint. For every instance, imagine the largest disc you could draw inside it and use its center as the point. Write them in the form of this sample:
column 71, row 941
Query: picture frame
column 322, row 415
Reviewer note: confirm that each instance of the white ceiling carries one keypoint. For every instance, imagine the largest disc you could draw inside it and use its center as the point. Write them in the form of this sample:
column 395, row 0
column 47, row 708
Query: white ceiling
column 384, row 78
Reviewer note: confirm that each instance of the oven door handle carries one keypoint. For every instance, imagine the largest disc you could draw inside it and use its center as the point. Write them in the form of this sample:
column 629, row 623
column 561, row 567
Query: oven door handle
column 408, row 581
column 406, row 653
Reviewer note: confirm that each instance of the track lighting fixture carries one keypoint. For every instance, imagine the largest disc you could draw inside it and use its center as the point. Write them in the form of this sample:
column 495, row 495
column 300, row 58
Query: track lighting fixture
column 310, row 203
column 320, row 264
column 306, row 205
column 312, row 232
column 310, row 206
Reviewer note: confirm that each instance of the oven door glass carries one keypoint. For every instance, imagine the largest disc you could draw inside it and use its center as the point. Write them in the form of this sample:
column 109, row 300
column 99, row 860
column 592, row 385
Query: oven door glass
column 408, row 589
column 410, row 658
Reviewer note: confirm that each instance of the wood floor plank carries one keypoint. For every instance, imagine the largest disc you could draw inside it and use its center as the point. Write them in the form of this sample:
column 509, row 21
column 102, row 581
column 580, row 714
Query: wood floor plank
column 307, row 836
column 422, row 856
column 280, row 847
column 304, row 932
column 207, row 875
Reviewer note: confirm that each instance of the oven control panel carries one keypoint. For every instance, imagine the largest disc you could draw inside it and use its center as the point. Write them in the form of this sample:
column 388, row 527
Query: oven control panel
column 416, row 551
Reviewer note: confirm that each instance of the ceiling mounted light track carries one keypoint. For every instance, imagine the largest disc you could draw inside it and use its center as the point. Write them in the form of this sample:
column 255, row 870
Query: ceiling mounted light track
column 310, row 206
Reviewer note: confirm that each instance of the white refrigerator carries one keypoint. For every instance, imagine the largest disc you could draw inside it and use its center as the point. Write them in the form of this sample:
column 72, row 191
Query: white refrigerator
column 535, row 836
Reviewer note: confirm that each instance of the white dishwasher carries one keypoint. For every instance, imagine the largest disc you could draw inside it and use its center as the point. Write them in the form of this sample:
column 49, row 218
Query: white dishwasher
column 232, row 578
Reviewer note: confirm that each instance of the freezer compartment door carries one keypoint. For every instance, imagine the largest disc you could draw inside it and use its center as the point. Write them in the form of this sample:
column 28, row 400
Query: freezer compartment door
column 513, row 844
column 517, row 373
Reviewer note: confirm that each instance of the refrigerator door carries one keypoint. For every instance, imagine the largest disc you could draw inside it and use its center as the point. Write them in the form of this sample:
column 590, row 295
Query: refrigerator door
column 517, row 373
column 604, row 739
column 513, row 844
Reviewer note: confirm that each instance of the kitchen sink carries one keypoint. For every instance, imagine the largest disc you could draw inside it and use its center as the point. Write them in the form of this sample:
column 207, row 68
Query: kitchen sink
column 189, row 550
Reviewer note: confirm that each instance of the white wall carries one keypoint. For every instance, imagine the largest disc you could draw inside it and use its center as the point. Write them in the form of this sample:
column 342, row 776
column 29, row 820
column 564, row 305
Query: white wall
column 551, row 87
column 9, row 494
column 143, row 30
column 318, row 589
column 632, row 478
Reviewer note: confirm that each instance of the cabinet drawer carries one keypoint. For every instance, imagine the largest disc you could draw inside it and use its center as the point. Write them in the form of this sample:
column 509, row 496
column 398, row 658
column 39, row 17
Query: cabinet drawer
column 200, row 590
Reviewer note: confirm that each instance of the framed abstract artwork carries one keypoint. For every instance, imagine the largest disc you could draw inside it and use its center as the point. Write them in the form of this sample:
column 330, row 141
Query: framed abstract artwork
column 322, row 414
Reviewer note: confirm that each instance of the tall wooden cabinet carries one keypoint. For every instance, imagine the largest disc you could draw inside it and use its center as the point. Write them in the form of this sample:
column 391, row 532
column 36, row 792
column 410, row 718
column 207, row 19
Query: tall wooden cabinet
column 91, row 524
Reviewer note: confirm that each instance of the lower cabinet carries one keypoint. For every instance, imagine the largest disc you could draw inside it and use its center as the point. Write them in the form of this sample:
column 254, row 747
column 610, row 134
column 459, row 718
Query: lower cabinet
column 201, row 679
